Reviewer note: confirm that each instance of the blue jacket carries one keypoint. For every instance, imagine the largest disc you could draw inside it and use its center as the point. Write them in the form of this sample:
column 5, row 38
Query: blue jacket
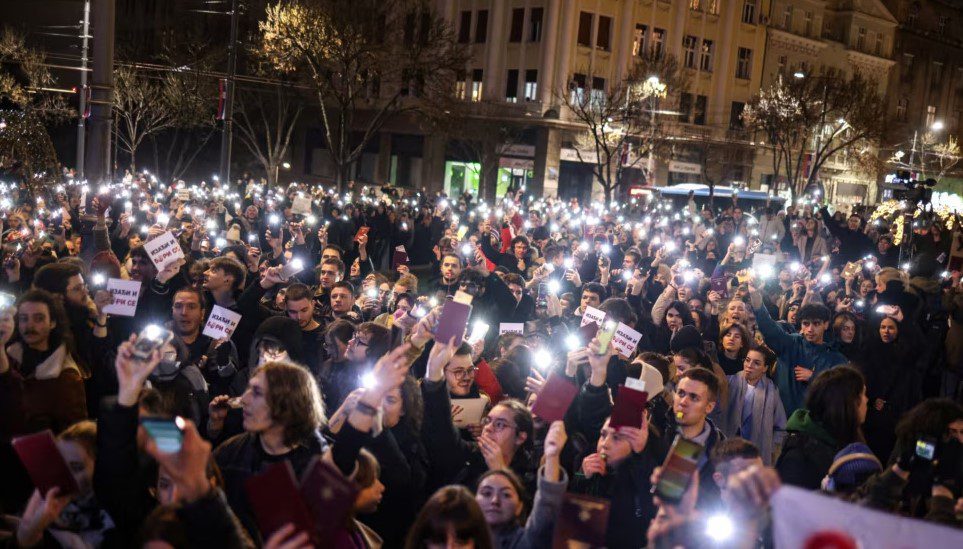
column 793, row 350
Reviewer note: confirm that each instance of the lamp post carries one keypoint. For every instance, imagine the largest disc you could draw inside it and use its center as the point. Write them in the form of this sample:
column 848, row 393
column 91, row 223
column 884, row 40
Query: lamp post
column 654, row 89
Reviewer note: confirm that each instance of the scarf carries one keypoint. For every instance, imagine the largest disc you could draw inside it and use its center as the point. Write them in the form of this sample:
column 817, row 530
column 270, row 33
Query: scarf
column 766, row 433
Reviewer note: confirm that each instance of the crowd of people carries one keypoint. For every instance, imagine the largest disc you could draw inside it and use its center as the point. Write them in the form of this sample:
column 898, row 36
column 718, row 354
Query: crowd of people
column 787, row 343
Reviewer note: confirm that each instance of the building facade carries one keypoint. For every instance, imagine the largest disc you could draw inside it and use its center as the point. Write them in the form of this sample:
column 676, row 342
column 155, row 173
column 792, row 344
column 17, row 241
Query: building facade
column 829, row 39
column 529, row 54
column 927, row 85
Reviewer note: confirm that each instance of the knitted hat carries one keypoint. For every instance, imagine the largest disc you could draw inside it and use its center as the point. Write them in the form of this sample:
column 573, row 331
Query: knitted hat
column 851, row 467
column 687, row 336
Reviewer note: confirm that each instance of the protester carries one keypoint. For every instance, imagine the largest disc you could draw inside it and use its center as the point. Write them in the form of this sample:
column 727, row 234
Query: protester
column 332, row 345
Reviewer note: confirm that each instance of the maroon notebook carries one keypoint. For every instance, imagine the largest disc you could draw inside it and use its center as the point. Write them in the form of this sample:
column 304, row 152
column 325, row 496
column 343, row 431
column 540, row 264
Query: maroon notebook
column 275, row 499
column 582, row 522
column 44, row 463
column 328, row 495
column 628, row 407
column 554, row 399
column 400, row 257
column 452, row 322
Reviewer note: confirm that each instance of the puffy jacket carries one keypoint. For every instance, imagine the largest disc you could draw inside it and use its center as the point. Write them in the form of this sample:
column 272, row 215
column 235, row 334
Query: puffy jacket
column 807, row 452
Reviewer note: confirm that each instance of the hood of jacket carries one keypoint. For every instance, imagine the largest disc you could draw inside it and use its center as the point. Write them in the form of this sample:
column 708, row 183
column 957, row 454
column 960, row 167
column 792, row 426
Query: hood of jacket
column 802, row 421
column 283, row 330
column 51, row 368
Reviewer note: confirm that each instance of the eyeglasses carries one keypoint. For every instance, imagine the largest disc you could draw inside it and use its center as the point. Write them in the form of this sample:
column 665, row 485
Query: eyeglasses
column 463, row 373
column 358, row 341
column 498, row 424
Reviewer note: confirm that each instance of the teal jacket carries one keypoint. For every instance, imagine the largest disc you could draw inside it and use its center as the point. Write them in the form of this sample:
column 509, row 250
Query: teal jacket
column 793, row 350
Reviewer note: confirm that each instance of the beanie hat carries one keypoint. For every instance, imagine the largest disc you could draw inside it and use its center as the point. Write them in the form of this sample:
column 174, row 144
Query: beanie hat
column 652, row 378
column 686, row 337
column 851, row 467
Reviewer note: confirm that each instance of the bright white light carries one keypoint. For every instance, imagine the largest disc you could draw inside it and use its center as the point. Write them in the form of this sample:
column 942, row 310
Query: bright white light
column 739, row 241
column 764, row 271
column 543, row 360
column 152, row 331
column 720, row 528
column 584, row 246
column 369, row 381
column 297, row 263
column 274, row 219
column 98, row 279
column 572, row 342
column 825, row 278
column 553, row 287
column 466, row 249
column 568, row 262
column 606, row 249
column 220, row 243
column 794, row 266
column 906, row 266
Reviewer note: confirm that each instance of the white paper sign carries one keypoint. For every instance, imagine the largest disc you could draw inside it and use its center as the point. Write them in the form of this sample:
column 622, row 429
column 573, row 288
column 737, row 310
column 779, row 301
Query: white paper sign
column 801, row 516
column 759, row 260
column 126, row 293
column 511, row 328
column 183, row 195
column 635, row 383
column 592, row 314
column 221, row 323
column 626, row 340
column 301, row 205
column 468, row 411
column 163, row 250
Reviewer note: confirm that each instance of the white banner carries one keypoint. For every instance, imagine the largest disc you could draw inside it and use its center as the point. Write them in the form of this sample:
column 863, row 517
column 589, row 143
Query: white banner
column 684, row 167
column 626, row 340
column 592, row 314
column 801, row 517
column 511, row 328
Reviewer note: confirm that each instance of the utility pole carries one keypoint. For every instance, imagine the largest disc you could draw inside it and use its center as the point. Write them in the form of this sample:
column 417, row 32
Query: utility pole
column 82, row 119
column 227, row 130
column 102, row 92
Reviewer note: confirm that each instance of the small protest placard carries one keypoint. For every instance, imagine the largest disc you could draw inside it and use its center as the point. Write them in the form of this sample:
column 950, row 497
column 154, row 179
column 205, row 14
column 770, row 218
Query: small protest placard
column 511, row 328
column 592, row 314
column 626, row 340
column 163, row 250
column 126, row 293
column 301, row 205
column 221, row 323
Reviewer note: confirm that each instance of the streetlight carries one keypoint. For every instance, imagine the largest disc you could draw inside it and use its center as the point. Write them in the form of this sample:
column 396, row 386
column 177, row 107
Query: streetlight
column 277, row 170
column 799, row 74
column 937, row 126
column 654, row 89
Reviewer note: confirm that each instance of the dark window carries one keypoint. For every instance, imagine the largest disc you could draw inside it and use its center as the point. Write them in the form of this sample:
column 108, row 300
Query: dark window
column 598, row 83
column 735, row 115
column 699, row 116
column 464, row 29
column 585, row 29
column 511, row 86
column 536, row 26
column 603, row 41
column 685, row 107
column 481, row 27
column 518, row 23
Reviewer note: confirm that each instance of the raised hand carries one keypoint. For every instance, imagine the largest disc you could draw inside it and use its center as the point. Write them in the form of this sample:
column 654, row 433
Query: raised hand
column 438, row 358
column 132, row 372
column 188, row 466
column 40, row 513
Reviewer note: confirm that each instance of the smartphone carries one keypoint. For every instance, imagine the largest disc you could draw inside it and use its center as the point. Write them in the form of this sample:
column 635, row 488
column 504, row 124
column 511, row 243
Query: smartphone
column 926, row 448
column 151, row 338
column 541, row 299
column 677, row 471
column 166, row 433
column 44, row 463
column 291, row 268
column 605, row 335
column 478, row 332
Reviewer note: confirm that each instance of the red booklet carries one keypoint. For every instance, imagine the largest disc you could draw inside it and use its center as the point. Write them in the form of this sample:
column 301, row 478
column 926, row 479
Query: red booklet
column 554, row 398
column 628, row 408
column 44, row 463
column 488, row 383
column 582, row 522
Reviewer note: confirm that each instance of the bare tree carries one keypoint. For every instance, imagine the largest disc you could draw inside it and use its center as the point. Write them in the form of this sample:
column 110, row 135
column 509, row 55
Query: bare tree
column 25, row 145
column 929, row 155
column 265, row 121
column 139, row 105
column 623, row 116
column 809, row 120
column 721, row 160
column 366, row 60
column 481, row 131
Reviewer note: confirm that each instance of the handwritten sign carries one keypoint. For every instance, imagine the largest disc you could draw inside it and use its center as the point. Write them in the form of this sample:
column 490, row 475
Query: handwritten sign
column 221, row 323
column 163, row 250
column 511, row 328
column 626, row 340
column 301, row 205
column 592, row 314
column 125, row 293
